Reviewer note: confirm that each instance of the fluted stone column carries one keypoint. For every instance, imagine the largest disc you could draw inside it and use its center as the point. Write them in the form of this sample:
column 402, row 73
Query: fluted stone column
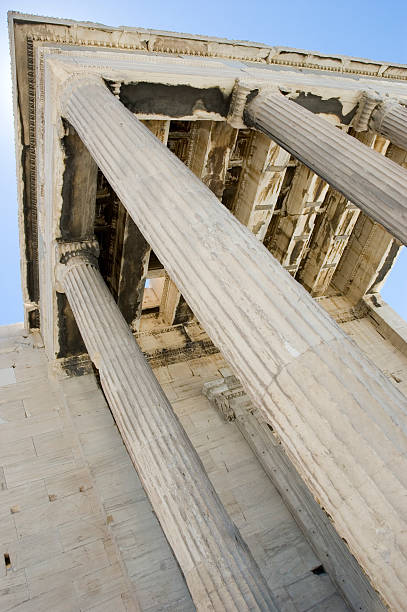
column 218, row 567
column 342, row 423
column 375, row 184
column 386, row 116
column 390, row 120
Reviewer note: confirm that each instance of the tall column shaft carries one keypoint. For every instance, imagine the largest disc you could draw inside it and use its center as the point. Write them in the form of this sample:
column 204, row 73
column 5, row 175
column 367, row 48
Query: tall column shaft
column 219, row 569
column 342, row 423
column 390, row 120
column 375, row 184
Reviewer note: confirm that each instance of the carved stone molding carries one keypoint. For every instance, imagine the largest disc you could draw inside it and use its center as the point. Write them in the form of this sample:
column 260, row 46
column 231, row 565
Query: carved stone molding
column 88, row 249
column 240, row 94
column 188, row 45
column 116, row 88
column 367, row 103
column 238, row 102
column 83, row 251
column 222, row 393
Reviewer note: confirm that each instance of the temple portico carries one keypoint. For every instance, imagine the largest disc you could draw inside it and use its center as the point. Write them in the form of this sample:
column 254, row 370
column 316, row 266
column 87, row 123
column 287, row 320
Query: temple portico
column 141, row 165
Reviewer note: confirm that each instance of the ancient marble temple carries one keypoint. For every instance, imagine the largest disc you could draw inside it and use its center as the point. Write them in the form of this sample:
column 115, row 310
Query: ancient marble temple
column 205, row 408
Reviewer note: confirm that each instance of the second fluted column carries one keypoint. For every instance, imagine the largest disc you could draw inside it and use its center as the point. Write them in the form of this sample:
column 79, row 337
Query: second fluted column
column 220, row 571
column 375, row 184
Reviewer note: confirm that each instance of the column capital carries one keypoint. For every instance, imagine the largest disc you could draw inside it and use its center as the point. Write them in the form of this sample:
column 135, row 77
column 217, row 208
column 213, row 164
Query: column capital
column 243, row 92
column 381, row 111
column 73, row 82
column 372, row 110
column 221, row 392
column 368, row 101
column 72, row 254
column 382, row 114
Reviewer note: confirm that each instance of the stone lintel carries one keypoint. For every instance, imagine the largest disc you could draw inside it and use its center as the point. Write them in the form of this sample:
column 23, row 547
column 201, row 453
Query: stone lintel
column 300, row 209
column 260, row 182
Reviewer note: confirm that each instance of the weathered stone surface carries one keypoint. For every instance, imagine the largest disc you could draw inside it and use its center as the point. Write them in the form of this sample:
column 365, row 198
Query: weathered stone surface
column 230, row 399
column 262, row 174
column 370, row 250
column 78, row 189
column 373, row 183
column 340, row 420
column 74, row 518
column 390, row 120
column 217, row 565
column 169, row 301
column 296, row 218
column 133, row 272
column 331, row 234
column 135, row 254
column 384, row 115
column 209, row 152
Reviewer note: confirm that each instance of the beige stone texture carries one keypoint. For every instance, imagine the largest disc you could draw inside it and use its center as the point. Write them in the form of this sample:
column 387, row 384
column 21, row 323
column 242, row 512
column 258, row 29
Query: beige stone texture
column 295, row 363
column 86, row 537
column 77, row 528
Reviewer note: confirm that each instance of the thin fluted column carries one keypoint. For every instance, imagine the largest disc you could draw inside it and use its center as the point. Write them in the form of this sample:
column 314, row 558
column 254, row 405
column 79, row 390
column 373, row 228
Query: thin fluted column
column 342, row 423
column 375, row 184
column 218, row 567
column 390, row 120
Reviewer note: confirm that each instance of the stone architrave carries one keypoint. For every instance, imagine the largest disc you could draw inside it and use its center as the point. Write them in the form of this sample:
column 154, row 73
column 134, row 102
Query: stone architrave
column 342, row 423
column 219, row 570
column 363, row 176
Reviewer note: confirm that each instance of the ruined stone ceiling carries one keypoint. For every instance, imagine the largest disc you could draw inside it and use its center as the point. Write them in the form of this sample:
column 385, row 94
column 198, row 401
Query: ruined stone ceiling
column 318, row 236
column 304, row 223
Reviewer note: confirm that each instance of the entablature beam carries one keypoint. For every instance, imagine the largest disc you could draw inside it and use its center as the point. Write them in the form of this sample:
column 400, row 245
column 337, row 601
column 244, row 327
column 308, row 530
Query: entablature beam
column 333, row 95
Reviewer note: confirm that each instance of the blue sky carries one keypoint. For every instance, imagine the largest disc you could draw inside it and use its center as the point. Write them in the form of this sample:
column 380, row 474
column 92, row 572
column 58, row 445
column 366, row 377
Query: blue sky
column 373, row 29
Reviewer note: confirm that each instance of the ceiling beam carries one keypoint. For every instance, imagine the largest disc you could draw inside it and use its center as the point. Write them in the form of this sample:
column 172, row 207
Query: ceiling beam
column 260, row 182
column 331, row 234
column 296, row 218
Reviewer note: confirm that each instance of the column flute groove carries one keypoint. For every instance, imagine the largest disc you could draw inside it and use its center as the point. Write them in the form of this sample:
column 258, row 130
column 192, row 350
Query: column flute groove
column 219, row 569
column 342, row 423
column 390, row 120
column 375, row 184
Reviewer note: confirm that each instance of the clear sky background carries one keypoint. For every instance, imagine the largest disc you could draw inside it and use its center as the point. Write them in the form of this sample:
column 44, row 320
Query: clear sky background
column 361, row 28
